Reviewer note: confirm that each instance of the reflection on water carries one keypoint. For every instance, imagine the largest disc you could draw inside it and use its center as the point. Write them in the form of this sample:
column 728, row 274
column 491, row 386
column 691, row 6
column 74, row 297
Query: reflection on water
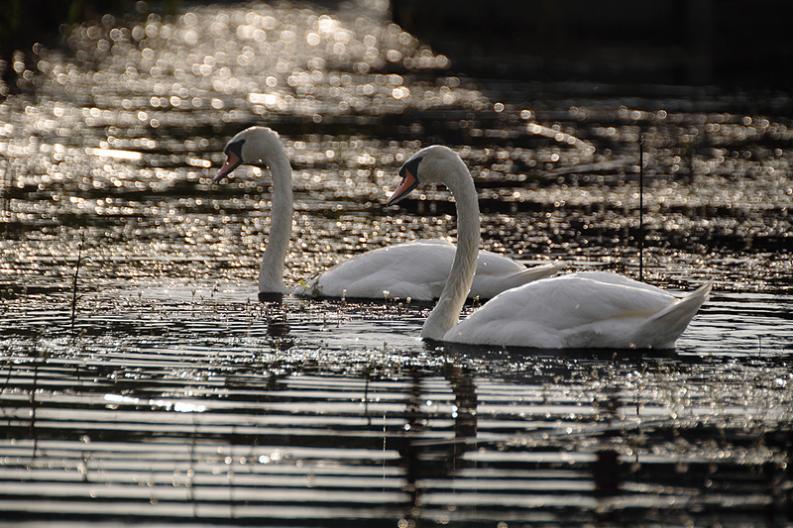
column 311, row 411
column 176, row 396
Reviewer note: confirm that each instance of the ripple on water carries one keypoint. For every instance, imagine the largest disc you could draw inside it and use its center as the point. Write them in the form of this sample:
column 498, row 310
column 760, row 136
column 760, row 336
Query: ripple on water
column 173, row 396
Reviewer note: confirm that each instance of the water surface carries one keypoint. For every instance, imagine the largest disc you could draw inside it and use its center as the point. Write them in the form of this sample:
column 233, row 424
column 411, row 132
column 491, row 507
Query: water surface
column 172, row 395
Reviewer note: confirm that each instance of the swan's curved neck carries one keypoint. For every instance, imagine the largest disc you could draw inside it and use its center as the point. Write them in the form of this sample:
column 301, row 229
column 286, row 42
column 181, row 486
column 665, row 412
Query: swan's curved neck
column 271, row 271
column 446, row 313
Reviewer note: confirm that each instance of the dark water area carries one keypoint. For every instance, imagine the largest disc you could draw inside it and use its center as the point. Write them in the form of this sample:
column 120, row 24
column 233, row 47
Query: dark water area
column 173, row 396
column 697, row 42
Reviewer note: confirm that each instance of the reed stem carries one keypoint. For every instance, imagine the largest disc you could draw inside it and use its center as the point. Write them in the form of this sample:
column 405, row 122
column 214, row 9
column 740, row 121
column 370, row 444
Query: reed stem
column 641, row 208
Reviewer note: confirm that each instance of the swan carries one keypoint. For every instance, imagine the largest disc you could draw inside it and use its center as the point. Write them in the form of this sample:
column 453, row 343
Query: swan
column 413, row 270
column 579, row 310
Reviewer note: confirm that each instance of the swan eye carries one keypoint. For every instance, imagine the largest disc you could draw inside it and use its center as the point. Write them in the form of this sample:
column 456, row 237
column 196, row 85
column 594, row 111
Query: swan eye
column 235, row 148
column 409, row 182
column 411, row 166
column 234, row 159
column 409, row 174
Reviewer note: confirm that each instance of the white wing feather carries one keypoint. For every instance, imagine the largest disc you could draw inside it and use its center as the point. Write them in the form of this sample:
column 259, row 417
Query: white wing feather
column 418, row 270
column 592, row 309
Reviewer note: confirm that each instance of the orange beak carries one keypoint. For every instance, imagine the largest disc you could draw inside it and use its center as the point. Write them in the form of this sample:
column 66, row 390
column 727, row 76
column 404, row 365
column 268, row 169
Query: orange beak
column 409, row 182
column 232, row 162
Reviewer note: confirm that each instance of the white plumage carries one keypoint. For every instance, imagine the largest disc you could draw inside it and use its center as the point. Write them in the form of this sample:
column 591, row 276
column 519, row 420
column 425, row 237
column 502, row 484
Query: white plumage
column 580, row 310
column 418, row 270
column 415, row 270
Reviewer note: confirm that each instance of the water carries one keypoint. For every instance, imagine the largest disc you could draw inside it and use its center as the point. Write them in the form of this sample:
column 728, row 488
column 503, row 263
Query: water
column 174, row 396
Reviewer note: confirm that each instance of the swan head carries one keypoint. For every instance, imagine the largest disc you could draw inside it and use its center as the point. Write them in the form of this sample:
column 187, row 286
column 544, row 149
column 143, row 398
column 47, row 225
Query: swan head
column 252, row 146
column 433, row 164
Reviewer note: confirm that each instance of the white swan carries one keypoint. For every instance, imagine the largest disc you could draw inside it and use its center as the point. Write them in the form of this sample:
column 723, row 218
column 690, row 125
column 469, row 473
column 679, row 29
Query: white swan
column 580, row 310
column 415, row 270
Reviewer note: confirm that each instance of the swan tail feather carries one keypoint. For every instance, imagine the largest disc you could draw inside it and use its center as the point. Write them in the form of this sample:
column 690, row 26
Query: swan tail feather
column 666, row 326
column 519, row 278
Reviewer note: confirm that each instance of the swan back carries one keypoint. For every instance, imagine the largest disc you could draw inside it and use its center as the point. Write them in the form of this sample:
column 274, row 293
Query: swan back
column 581, row 310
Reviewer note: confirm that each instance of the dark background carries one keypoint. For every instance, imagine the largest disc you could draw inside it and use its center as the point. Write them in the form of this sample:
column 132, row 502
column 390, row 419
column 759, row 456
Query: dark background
column 722, row 42
column 730, row 42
